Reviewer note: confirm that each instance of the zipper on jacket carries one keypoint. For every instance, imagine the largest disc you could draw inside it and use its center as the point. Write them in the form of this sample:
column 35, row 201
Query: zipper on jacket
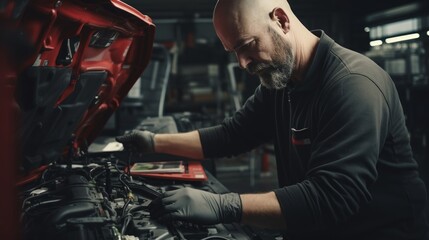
column 290, row 109
column 290, row 129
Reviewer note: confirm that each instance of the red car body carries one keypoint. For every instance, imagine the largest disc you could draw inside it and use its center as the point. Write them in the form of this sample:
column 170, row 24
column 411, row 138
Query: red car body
column 65, row 67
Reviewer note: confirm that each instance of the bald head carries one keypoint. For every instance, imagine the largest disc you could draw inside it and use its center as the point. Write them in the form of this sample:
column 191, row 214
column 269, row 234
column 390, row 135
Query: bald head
column 265, row 36
column 244, row 17
column 248, row 7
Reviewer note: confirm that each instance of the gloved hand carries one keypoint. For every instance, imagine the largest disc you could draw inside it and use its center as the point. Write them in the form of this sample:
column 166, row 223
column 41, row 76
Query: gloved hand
column 196, row 206
column 139, row 141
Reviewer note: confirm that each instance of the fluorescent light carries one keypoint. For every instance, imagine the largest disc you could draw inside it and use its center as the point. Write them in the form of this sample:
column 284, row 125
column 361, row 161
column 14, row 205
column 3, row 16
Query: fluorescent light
column 402, row 38
column 375, row 43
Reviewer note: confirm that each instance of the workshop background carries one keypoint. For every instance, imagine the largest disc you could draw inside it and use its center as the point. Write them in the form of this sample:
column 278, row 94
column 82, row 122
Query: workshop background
column 194, row 82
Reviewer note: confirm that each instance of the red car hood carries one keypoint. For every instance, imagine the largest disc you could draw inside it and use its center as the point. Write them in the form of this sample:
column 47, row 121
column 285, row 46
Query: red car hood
column 67, row 65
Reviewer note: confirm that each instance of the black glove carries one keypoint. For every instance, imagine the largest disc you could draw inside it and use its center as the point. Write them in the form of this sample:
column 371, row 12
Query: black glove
column 139, row 141
column 196, row 206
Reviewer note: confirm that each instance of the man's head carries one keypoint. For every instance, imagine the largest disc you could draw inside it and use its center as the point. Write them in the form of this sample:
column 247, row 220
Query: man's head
column 257, row 32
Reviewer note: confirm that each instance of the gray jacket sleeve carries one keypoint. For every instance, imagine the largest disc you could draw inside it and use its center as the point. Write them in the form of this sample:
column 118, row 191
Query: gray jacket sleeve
column 246, row 129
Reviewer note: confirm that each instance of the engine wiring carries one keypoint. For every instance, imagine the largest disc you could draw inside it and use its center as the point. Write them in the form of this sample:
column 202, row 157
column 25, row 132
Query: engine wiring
column 112, row 197
column 46, row 193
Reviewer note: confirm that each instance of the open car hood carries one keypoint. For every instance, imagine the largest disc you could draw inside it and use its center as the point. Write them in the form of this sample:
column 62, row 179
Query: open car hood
column 68, row 63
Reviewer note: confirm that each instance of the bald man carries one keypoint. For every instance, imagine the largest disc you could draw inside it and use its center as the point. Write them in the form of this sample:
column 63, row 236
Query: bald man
column 343, row 154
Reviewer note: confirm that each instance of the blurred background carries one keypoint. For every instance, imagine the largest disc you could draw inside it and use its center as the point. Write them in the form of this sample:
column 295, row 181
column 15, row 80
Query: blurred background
column 192, row 81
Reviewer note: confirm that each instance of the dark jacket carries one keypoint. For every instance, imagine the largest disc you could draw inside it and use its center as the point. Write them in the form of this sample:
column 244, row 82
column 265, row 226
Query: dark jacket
column 344, row 160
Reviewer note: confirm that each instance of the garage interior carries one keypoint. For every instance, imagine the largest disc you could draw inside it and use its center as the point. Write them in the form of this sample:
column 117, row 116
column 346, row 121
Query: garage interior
column 202, row 84
column 190, row 82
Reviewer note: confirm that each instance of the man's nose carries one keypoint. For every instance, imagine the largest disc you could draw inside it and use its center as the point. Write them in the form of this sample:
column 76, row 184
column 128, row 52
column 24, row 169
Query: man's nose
column 243, row 60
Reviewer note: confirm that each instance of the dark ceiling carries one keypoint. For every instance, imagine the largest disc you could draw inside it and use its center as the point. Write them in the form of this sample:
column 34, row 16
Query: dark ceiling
column 203, row 8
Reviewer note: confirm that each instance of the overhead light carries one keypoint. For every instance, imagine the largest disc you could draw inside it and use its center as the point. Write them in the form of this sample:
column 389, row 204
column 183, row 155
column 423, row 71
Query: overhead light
column 367, row 29
column 375, row 43
column 427, row 33
column 402, row 38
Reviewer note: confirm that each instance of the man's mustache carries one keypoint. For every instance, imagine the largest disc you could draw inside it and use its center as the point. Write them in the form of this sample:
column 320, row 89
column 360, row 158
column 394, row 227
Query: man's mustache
column 254, row 68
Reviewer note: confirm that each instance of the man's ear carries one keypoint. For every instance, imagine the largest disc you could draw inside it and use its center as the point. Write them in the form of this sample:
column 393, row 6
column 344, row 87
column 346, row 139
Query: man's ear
column 281, row 18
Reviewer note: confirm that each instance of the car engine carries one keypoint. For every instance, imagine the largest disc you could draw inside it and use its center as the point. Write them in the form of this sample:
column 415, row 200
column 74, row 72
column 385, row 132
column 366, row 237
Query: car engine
column 101, row 200
column 88, row 202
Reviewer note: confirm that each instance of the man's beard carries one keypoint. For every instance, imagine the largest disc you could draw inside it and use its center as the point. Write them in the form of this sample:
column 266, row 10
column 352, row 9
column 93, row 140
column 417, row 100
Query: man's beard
column 275, row 74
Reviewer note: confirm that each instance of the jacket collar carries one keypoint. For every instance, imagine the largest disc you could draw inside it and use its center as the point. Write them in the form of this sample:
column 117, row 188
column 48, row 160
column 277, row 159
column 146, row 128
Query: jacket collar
column 314, row 72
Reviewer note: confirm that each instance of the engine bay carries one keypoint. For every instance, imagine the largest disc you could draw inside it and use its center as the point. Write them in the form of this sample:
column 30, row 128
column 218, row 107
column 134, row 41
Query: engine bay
column 66, row 66
column 99, row 199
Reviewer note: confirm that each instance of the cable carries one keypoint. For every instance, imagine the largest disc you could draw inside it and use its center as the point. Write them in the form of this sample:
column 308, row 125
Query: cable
column 216, row 237
column 137, row 208
column 162, row 236
column 42, row 177
column 95, row 169
column 125, row 206
column 124, row 183
column 99, row 174
column 127, row 221
column 109, row 208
